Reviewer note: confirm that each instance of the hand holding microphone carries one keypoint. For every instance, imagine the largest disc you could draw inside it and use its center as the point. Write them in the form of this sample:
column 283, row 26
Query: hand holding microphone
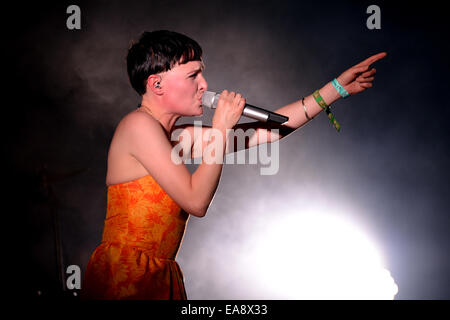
column 211, row 99
column 229, row 110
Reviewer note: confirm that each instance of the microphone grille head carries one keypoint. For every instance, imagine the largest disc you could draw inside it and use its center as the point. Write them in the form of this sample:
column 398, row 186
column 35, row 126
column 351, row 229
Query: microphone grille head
column 208, row 99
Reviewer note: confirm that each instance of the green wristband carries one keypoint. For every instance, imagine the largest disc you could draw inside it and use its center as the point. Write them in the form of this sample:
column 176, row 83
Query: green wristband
column 319, row 99
column 333, row 120
column 324, row 106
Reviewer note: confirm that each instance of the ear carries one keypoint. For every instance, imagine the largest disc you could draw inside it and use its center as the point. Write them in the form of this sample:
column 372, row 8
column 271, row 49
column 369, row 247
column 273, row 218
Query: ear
column 154, row 84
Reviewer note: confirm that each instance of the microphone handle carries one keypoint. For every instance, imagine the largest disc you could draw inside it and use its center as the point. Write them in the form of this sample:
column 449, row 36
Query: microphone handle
column 256, row 113
column 263, row 115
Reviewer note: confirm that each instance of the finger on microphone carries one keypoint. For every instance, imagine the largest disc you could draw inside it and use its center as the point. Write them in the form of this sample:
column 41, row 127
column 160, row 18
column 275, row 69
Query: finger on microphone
column 242, row 103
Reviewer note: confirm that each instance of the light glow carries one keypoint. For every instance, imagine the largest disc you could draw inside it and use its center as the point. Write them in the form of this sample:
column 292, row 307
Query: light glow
column 317, row 256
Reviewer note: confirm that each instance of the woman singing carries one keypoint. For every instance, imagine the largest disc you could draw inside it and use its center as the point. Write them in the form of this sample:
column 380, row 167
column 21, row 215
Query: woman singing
column 150, row 196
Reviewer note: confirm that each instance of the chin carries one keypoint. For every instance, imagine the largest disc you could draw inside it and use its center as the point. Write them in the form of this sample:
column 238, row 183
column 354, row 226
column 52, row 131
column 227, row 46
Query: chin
column 200, row 111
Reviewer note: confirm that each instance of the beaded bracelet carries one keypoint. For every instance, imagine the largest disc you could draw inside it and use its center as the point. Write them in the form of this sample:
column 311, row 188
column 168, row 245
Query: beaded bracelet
column 324, row 106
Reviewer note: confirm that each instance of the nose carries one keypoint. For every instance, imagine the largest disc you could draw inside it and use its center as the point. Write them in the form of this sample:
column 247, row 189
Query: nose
column 203, row 85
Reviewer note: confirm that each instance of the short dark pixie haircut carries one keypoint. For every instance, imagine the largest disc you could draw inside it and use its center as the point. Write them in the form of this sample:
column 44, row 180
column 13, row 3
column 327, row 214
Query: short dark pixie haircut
column 156, row 52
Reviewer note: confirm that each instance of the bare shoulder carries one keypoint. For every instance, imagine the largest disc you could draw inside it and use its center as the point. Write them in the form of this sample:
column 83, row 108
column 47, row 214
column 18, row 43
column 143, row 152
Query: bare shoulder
column 133, row 135
column 137, row 121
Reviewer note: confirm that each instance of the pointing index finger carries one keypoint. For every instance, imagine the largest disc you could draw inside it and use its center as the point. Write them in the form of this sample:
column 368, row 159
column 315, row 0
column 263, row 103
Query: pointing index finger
column 373, row 59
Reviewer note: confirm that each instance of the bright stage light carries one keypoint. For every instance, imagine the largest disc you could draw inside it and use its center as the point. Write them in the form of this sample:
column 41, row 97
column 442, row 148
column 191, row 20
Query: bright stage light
column 317, row 256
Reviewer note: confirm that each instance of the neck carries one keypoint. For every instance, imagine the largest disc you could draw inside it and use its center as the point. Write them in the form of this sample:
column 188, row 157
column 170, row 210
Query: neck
column 166, row 119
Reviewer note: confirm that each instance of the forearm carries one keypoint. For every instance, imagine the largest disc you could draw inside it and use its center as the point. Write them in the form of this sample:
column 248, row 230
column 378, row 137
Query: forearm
column 354, row 80
column 205, row 179
column 297, row 117
column 296, row 112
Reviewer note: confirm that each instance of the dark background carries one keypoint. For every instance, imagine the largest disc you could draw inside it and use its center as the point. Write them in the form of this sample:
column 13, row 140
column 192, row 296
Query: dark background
column 68, row 89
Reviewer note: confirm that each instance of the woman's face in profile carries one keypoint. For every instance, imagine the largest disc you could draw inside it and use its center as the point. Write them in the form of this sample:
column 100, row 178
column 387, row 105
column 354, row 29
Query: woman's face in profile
column 183, row 87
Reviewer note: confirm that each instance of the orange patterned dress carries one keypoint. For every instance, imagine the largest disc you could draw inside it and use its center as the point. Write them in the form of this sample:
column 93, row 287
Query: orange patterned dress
column 143, row 231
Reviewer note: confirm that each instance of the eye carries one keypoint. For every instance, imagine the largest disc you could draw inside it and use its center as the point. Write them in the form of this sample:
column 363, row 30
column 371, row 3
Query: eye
column 193, row 76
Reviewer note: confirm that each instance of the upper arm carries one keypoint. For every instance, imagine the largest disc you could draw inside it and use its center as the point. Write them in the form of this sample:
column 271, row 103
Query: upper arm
column 245, row 135
column 147, row 142
column 258, row 133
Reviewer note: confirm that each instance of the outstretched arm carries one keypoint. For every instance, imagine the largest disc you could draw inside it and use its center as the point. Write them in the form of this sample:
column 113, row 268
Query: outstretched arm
column 354, row 80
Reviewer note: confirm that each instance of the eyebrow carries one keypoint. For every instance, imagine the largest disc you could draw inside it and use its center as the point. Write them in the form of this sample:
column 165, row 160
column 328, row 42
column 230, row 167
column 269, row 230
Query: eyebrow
column 202, row 67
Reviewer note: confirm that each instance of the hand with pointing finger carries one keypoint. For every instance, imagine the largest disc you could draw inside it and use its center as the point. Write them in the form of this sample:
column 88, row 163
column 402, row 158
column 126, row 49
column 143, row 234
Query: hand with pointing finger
column 359, row 77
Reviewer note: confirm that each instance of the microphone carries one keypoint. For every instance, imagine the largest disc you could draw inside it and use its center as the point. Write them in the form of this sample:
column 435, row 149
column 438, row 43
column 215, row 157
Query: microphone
column 210, row 100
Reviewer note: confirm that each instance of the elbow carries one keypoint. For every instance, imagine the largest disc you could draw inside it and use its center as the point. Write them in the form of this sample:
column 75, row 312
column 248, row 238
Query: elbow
column 200, row 214
column 198, row 211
